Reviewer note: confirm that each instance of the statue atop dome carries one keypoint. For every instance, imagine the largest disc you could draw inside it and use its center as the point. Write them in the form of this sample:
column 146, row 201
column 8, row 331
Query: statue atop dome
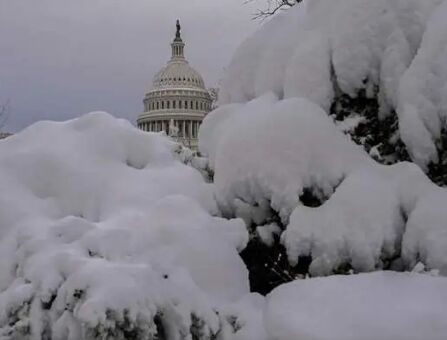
column 177, row 34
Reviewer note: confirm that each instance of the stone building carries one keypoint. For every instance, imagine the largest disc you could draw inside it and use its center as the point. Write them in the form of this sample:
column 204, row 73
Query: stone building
column 178, row 100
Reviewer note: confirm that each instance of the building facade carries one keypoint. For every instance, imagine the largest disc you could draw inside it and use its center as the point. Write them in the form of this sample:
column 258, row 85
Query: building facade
column 178, row 100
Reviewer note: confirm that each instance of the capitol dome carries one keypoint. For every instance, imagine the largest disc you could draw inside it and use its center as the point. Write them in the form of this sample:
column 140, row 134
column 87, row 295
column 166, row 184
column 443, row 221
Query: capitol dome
column 178, row 73
column 178, row 100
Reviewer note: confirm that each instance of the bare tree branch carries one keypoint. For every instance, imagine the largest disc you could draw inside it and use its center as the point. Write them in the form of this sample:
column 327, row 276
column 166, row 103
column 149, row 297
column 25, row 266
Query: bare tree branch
column 273, row 6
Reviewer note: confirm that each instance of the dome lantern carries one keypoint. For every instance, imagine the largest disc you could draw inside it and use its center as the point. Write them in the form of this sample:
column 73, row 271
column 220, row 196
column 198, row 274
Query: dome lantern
column 178, row 45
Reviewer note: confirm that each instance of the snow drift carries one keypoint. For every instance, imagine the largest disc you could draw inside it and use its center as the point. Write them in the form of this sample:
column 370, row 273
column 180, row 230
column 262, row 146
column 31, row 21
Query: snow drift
column 383, row 305
column 105, row 234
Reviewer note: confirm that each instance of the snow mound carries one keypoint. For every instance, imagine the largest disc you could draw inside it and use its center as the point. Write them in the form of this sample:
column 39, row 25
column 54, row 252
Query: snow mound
column 379, row 49
column 382, row 305
column 337, row 206
column 269, row 151
column 105, row 233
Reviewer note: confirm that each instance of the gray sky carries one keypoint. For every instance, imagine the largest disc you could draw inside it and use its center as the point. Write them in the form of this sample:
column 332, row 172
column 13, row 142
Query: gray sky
column 62, row 58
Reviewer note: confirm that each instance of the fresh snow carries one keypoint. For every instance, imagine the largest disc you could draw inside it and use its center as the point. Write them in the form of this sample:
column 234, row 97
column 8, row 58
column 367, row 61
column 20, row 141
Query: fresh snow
column 382, row 305
column 423, row 102
column 322, row 47
column 108, row 232
column 101, row 226
column 269, row 152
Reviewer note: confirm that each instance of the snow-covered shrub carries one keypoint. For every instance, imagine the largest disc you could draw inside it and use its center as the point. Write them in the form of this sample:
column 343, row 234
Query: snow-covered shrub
column 422, row 102
column 270, row 151
column 271, row 155
column 104, row 234
column 357, row 59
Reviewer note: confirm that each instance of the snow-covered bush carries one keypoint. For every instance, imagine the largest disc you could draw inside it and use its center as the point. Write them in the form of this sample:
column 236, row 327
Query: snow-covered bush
column 106, row 235
column 374, row 68
column 377, row 67
column 270, row 155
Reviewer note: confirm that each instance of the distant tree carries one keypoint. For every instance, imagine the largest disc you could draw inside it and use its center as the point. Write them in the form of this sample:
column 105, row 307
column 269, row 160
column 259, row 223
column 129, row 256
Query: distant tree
column 273, row 6
column 214, row 93
column 4, row 111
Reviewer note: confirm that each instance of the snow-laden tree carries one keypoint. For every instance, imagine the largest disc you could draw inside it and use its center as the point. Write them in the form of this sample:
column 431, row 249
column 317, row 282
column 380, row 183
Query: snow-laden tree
column 357, row 59
column 370, row 69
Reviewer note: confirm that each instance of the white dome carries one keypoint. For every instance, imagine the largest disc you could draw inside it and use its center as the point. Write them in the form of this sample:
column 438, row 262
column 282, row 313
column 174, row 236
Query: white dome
column 178, row 100
column 178, row 73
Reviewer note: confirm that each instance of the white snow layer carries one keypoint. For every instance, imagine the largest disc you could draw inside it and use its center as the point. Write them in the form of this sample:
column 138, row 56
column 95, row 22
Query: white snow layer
column 382, row 305
column 423, row 92
column 267, row 153
column 103, row 231
column 322, row 47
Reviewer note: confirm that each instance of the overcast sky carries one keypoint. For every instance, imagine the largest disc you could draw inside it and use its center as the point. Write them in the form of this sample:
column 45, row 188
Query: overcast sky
column 62, row 58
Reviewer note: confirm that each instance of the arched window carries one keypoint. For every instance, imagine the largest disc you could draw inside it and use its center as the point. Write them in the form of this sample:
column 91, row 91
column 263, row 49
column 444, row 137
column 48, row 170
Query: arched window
column 174, row 104
column 158, row 105
column 168, row 104
column 162, row 104
column 197, row 105
column 191, row 105
column 179, row 104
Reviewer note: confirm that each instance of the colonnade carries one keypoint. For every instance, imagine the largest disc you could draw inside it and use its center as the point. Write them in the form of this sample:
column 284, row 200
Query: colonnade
column 198, row 105
column 186, row 128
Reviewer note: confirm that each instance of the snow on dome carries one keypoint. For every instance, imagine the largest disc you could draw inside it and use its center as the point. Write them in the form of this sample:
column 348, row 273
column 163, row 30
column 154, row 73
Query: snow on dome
column 89, row 242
